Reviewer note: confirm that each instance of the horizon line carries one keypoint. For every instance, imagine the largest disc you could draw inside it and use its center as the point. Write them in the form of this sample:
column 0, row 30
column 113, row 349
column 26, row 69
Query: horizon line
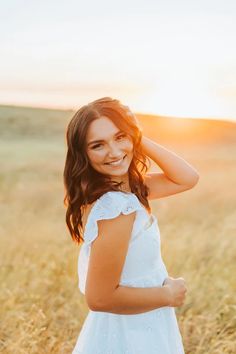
column 55, row 108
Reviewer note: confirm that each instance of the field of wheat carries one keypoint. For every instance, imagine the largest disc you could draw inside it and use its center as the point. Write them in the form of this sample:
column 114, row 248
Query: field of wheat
column 42, row 310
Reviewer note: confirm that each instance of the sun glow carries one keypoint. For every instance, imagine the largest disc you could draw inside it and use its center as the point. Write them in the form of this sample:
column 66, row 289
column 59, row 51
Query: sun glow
column 184, row 92
column 184, row 101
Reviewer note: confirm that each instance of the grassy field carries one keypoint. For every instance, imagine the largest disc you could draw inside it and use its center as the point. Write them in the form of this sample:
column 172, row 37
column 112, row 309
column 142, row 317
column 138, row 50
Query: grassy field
column 42, row 309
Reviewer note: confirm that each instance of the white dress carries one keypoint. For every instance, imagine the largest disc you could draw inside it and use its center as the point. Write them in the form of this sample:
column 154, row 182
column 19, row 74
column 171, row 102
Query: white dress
column 152, row 332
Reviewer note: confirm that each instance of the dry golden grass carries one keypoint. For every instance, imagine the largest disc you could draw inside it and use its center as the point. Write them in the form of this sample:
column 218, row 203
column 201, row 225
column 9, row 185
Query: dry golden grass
column 42, row 309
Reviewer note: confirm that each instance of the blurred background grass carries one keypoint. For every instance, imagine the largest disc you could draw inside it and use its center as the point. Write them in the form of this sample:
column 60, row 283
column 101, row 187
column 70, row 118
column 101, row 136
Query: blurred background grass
column 42, row 309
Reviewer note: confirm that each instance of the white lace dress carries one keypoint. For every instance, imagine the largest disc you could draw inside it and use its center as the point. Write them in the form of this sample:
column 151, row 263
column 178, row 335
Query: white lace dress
column 152, row 332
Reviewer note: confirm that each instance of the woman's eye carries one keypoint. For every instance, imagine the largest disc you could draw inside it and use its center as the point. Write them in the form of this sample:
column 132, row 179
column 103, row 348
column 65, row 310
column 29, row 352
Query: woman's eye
column 122, row 136
column 95, row 146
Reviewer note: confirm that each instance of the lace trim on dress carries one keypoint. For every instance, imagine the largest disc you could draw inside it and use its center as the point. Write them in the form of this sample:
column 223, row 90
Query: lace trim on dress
column 110, row 205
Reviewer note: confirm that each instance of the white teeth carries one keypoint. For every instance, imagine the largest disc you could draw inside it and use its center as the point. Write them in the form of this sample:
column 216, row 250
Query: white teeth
column 116, row 162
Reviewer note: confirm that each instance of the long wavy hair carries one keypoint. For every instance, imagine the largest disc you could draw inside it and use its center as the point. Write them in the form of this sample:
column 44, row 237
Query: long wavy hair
column 83, row 184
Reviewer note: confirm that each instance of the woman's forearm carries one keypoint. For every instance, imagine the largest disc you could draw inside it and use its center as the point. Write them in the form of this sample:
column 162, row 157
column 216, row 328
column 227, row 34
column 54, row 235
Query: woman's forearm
column 129, row 300
column 174, row 167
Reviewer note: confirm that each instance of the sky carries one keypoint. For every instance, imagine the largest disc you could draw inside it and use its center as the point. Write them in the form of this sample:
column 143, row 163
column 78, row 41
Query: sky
column 164, row 57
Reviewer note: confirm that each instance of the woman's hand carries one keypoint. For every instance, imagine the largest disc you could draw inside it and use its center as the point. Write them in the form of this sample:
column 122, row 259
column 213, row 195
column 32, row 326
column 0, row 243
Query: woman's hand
column 175, row 168
column 177, row 290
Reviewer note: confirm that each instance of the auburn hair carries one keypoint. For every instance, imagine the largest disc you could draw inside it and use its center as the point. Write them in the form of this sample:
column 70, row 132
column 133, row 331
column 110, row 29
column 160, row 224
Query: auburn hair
column 83, row 184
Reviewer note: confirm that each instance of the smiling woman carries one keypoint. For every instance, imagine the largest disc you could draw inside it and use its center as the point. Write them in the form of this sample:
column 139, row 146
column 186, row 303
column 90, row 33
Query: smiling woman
column 98, row 136
column 120, row 267
column 114, row 153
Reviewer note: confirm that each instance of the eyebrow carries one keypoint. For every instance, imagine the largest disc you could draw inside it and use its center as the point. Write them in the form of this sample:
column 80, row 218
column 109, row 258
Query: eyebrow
column 100, row 141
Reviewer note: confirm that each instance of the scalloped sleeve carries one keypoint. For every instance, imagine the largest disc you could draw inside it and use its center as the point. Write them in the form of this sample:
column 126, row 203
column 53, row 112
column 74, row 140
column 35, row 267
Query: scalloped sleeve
column 109, row 206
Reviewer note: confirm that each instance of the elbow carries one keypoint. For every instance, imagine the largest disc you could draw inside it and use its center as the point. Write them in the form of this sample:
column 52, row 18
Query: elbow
column 101, row 304
column 92, row 307
column 194, row 180
column 91, row 302
column 100, row 300
column 96, row 305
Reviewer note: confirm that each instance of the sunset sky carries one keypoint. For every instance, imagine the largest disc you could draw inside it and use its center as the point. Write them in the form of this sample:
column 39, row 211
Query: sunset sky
column 165, row 57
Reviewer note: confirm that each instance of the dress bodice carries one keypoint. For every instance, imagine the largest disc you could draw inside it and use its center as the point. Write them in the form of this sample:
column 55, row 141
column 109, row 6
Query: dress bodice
column 143, row 265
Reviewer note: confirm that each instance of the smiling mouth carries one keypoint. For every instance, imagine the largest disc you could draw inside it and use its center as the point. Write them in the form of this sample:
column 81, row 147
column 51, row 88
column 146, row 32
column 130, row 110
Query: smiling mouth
column 115, row 163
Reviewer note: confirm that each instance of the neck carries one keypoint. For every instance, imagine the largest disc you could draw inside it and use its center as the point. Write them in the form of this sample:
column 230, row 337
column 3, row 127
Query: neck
column 125, row 186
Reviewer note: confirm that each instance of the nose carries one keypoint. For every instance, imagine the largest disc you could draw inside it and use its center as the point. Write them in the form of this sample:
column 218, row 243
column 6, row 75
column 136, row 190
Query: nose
column 114, row 151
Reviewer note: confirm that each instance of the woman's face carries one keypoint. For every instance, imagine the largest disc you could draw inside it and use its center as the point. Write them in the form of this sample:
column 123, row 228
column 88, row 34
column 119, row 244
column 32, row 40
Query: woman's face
column 113, row 145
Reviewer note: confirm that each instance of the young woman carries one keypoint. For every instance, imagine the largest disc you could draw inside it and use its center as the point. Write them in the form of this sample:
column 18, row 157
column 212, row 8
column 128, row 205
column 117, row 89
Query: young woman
column 130, row 296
